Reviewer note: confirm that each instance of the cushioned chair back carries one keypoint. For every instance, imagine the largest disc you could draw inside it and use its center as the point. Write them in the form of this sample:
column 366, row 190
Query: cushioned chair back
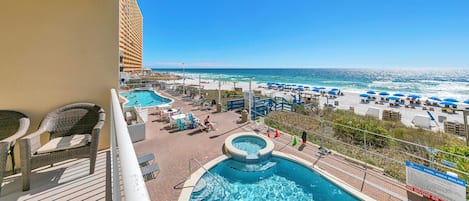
column 79, row 118
column 9, row 123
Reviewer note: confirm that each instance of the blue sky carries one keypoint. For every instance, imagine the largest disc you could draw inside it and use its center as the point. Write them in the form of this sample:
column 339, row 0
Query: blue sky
column 306, row 33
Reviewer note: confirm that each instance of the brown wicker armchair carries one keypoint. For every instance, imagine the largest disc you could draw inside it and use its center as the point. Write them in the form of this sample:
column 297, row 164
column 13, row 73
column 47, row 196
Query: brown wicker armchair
column 74, row 133
column 13, row 125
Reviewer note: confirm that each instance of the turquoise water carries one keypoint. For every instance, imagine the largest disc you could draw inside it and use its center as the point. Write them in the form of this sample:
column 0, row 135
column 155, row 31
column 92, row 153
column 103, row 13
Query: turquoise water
column 276, row 179
column 144, row 98
column 425, row 82
column 251, row 145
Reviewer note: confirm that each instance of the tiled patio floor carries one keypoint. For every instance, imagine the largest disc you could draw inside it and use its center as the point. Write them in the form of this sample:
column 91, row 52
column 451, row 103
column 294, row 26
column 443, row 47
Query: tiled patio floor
column 173, row 150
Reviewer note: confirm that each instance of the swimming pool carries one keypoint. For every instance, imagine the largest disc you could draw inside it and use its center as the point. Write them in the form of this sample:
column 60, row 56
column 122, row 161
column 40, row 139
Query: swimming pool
column 144, row 98
column 274, row 179
column 251, row 145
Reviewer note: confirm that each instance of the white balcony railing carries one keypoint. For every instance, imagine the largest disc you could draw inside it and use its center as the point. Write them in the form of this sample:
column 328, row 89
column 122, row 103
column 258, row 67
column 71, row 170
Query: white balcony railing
column 121, row 147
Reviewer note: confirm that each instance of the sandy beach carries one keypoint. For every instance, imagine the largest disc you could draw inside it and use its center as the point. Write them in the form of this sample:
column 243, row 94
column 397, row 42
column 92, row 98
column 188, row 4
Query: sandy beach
column 349, row 99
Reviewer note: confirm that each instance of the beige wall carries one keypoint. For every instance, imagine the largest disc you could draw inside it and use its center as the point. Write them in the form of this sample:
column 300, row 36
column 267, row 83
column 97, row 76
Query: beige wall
column 55, row 52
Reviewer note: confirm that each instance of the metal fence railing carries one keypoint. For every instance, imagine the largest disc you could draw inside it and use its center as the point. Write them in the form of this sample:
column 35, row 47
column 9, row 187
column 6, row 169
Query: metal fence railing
column 383, row 152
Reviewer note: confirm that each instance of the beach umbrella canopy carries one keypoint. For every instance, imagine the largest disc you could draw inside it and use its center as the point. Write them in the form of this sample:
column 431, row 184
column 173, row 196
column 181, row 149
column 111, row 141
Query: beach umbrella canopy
column 306, row 87
column 414, row 96
column 394, row 98
column 320, row 87
column 451, row 100
column 364, row 95
column 316, row 89
column 383, row 93
column 449, row 103
column 435, row 98
column 300, row 85
column 466, row 101
column 399, row 95
column 332, row 92
column 299, row 89
column 334, row 89
column 371, row 92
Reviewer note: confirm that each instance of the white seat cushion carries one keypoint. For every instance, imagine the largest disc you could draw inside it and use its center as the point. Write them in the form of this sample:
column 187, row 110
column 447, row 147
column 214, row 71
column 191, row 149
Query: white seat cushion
column 62, row 143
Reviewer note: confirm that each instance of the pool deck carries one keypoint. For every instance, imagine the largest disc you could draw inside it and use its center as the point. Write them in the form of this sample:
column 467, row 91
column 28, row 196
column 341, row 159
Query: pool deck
column 174, row 149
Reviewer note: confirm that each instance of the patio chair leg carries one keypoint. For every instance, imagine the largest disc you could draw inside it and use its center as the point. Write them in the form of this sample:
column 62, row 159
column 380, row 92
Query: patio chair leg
column 92, row 163
column 12, row 155
column 25, row 174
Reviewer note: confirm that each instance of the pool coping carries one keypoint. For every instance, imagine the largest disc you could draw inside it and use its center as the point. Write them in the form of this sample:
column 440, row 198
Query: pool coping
column 144, row 89
column 190, row 183
column 232, row 150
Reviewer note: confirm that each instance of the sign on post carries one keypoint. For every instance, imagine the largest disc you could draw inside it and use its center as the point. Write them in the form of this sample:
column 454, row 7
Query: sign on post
column 433, row 184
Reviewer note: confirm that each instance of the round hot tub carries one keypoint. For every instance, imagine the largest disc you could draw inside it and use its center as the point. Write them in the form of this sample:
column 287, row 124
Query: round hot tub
column 249, row 147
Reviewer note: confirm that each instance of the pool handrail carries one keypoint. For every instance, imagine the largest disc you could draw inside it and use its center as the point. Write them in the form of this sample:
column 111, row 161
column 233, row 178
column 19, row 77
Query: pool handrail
column 205, row 170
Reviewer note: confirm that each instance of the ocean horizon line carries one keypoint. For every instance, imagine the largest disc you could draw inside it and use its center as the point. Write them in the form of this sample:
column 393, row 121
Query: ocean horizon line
column 336, row 68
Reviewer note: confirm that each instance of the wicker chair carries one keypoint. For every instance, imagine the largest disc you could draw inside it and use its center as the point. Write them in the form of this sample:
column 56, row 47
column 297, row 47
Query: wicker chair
column 13, row 125
column 74, row 133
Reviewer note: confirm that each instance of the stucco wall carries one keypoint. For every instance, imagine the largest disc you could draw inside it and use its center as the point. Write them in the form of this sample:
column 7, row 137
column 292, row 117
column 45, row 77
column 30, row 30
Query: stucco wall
column 55, row 52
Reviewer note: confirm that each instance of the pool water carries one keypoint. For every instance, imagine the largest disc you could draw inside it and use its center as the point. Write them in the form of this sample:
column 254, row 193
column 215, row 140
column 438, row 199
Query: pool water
column 251, row 145
column 144, row 98
column 276, row 179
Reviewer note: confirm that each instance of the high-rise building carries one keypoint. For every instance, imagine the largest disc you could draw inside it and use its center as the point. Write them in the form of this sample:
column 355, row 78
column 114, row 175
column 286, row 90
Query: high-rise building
column 130, row 36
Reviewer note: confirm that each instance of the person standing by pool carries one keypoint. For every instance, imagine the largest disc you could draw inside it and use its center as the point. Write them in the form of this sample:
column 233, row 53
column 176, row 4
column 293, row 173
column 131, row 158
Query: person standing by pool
column 303, row 137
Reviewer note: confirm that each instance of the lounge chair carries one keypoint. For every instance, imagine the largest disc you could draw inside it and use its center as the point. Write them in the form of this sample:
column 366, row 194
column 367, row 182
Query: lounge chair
column 13, row 125
column 74, row 133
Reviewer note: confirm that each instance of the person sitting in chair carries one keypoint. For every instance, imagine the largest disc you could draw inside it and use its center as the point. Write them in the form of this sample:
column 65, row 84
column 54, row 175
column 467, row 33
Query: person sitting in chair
column 208, row 124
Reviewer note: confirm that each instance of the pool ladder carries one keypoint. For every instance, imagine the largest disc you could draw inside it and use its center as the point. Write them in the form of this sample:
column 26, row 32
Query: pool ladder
column 209, row 173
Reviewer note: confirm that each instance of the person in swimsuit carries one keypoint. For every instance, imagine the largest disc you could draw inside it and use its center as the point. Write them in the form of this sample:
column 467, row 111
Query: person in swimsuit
column 208, row 123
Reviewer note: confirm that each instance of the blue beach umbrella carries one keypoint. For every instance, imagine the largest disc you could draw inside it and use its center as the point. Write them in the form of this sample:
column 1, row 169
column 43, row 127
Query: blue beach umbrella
column 435, row 98
column 332, row 92
column 293, row 85
column 399, row 95
column 321, row 87
column 306, row 87
column 316, row 89
column 299, row 89
column 383, row 93
column 394, row 98
column 449, row 103
column 364, row 95
column 451, row 100
column 371, row 92
column 414, row 96
column 300, row 85
column 466, row 101
column 334, row 89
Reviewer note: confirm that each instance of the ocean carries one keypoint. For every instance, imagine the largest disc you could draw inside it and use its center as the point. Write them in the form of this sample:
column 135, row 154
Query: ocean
column 443, row 83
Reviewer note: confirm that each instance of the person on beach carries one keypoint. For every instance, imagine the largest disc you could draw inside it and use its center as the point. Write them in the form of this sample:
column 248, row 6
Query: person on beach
column 208, row 124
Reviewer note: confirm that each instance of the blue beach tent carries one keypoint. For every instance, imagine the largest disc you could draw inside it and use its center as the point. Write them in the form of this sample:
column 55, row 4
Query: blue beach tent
column 449, row 103
column 450, row 100
column 364, row 95
column 395, row 98
column 435, row 98
column 414, row 96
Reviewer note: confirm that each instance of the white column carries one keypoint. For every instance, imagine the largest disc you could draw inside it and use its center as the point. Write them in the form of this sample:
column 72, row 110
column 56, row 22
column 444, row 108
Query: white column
column 219, row 89
column 199, row 85
column 183, row 80
column 250, row 99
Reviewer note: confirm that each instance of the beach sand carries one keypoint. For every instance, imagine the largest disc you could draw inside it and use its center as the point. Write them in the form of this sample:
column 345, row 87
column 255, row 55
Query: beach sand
column 349, row 99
